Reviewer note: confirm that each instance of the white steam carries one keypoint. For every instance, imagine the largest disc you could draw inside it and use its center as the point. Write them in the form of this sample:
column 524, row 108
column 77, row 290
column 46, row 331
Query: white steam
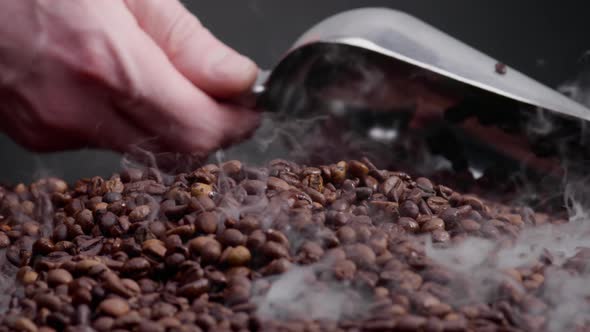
column 483, row 264
column 299, row 294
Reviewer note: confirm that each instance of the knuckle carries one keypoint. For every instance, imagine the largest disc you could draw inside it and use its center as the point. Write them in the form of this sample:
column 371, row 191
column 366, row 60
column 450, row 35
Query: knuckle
column 182, row 29
column 93, row 56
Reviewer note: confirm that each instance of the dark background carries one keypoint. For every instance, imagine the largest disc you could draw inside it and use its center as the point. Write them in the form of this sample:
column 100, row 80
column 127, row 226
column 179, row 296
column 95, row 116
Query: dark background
column 544, row 39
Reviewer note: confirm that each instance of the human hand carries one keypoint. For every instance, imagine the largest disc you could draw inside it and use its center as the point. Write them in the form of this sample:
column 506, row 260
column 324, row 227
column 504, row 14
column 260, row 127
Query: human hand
column 117, row 74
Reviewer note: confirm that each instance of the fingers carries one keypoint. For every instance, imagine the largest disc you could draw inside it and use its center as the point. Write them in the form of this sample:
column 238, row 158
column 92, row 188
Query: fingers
column 195, row 52
column 181, row 116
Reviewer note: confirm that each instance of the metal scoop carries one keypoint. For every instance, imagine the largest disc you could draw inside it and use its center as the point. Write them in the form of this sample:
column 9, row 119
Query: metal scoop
column 377, row 61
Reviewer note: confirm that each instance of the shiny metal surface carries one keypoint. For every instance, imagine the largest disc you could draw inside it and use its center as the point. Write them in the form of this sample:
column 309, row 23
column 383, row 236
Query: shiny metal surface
column 364, row 63
column 405, row 38
column 408, row 39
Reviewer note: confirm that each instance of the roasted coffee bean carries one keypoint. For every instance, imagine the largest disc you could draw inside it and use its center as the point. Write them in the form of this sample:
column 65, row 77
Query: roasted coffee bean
column 277, row 184
column 236, row 256
column 204, row 250
column 136, row 267
column 346, row 235
column 361, row 255
column 232, row 168
column 409, row 209
column 433, row 224
column 59, row 277
column 274, row 250
column 139, row 213
column 194, row 289
column 154, row 248
column 232, row 237
column 207, row 222
column 114, row 307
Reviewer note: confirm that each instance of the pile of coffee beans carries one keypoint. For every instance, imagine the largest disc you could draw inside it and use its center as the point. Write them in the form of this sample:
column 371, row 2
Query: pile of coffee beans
column 202, row 251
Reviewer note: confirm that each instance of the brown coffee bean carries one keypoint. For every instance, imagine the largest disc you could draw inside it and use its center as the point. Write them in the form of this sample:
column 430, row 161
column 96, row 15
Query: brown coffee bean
column 433, row 224
column 254, row 187
column 4, row 240
column 48, row 301
column 236, row 256
column 440, row 236
column 85, row 219
column 115, row 307
column 358, row 169
column 43, row 246
column 103, row 323
column 207, row 222
column 409, row 209
column 131, row 175
column 346, row 235
column 184, row 231
column 474, row 202
column 146, row 186
column 277, row 184
column 344, row 269
column 390, row 184
column 194, row 289
column 338, row 172
column 470, row 225
column 277, row 266
column 450, row 216
column 140, row 213
column 437, row 204
column 136, row 267
column 26, row 275
column 58, row 277
column 232, row 238
column 232, row 168
column 201, row 204
column 274, row 250
column 211, row 252
column 425, row 184
column 410, row 323
column 25, row 325
column 409, row 224
column 154, row 248
column 362, row 255
column 310, row 252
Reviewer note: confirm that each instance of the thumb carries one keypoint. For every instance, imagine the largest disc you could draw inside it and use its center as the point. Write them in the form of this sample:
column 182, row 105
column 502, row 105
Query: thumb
column 208, row 63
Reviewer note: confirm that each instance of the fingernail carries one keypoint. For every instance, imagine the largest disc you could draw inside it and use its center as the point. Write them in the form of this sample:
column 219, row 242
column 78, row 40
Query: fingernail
column 234, row 66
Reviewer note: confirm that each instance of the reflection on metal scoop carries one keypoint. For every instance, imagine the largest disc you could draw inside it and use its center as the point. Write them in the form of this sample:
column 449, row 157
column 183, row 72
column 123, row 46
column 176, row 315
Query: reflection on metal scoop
column 381, row 60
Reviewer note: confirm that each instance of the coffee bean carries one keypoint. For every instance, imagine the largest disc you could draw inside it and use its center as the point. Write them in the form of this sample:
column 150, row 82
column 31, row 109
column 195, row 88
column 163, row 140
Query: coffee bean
column 48, row 301
column 339, row 172
column 440, row 236
column 139, row 213
column 236, row 256
column 358, row 169
column 154, row 248
column 433, row 224
column 409, row 209
column 232, row 168
column 207, row 222
column 361, row 255
column 136, row 267
column 201, row 250
column 201, row 190
column 232, row 237
column 25, row 325
column 194, row 289
column 59, row 277
column 114, row 307
column 274, row 250
column 470, row 225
